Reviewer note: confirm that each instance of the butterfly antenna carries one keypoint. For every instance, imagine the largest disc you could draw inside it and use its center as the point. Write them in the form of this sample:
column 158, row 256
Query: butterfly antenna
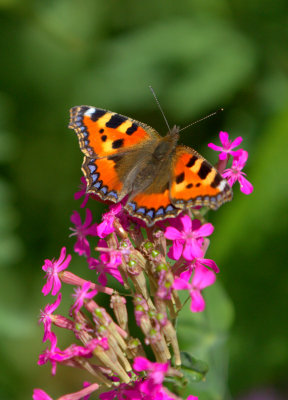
column 202, row 119
column 160, row 108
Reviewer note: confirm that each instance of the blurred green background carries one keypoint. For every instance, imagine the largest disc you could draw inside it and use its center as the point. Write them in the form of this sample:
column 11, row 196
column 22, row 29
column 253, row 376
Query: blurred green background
column 198, row 56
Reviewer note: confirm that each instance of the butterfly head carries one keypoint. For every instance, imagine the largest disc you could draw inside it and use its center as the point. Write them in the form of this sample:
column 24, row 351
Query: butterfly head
column 174, row 132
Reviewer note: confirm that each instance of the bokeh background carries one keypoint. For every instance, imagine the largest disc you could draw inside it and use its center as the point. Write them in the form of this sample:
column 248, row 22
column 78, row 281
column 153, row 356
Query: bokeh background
column 198, row 56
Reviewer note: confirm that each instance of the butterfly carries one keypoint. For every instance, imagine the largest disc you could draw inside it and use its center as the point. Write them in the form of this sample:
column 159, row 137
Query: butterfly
column 124, row 157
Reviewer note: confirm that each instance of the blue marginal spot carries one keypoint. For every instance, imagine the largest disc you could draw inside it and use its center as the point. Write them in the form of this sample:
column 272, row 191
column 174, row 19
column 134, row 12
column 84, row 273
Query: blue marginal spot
column 133, row 205
column 150, row 213
column 86, row 142
column 104, row 189
column 141, row 210
column 160, row 211
column 92, row 168
column 94, row 177
column 169, row 208
column 114, row 194
column 98, row 184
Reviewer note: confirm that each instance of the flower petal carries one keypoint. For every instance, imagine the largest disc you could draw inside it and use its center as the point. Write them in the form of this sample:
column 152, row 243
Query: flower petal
column 141, row 364
column 186, row 223
column 236, row 142
column 214, row 147
column 197, row 301
column 180, row 284
column 223, row 156
column 203, row 277
column 176, row 250
column 245, row 186
column 75, row 218
column 224, row 138
column 204, row 230
column 172, row 233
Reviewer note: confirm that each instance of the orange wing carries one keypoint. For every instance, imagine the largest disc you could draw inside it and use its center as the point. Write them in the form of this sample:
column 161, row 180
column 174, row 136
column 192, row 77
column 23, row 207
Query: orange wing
column 102, row 133
column 195, row 182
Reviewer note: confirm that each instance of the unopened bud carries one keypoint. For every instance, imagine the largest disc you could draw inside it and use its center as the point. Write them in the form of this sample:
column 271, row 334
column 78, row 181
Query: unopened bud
column 118, row 304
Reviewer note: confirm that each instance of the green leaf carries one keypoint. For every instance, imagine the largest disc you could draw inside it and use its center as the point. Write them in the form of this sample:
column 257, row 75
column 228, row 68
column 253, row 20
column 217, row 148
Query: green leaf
column 193, row 368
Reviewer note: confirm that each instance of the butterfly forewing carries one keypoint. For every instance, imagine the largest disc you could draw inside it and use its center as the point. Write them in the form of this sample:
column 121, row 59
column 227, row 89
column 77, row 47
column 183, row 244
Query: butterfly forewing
column 195, row 182
column 102, row 133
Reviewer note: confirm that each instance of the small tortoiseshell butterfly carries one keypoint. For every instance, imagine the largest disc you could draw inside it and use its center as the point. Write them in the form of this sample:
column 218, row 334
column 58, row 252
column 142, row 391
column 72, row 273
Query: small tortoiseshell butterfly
column 124, row 157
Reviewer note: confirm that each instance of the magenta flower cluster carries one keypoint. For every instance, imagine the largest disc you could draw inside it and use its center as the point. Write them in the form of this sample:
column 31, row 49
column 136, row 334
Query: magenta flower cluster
column 240, row 157
column 170, row 255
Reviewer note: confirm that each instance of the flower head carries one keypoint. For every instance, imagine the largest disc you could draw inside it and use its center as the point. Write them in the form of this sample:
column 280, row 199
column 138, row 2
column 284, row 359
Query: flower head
column 188, row 241
column 82, row 246
column 227, row 146
column 52, row 269
column 81, row 294
column 46, row 317
column 235, row 173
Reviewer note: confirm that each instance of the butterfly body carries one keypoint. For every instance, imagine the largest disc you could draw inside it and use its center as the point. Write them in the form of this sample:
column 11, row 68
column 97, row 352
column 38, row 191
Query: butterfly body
column 124, row 157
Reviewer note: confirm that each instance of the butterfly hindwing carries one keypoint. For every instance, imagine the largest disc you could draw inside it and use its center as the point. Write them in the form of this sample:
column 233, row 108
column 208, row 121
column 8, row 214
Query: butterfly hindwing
column 195, row 182
column 153, row 203
column 102, row 133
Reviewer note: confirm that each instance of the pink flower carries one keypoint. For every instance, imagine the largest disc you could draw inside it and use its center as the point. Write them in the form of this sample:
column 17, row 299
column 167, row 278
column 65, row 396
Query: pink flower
column 188, row 241
column 110, row 260
column 46, row 317
column 82, row 246
column 81, row 294
column 227, row 146
column 103, row 269
column 54, row 355
column 82, row 192
column 202, row 278
column 52, row 269
column 235, row 173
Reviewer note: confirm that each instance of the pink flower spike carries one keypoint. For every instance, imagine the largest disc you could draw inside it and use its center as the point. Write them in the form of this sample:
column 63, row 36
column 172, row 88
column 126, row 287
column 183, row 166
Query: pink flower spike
column 227, row 146
column 46, row 317
column 82, row 192
column 81, row 294
column 82, row 246
column 192, row 397
column 235, row 173
column 39, row 394
column 53, row 269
